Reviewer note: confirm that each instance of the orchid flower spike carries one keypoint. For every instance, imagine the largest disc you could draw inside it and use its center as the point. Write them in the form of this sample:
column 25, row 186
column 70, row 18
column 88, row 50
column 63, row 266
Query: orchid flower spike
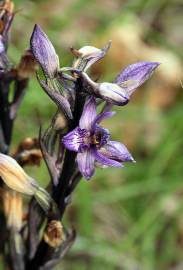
column 92, row 144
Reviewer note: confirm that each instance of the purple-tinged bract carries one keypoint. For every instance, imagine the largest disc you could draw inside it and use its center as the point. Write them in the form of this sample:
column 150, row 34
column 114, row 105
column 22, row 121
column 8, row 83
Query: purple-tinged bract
column 62, row 103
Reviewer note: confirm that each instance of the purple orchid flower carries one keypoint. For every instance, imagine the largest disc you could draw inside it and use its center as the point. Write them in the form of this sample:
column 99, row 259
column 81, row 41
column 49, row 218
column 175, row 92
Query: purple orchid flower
column 92, row 144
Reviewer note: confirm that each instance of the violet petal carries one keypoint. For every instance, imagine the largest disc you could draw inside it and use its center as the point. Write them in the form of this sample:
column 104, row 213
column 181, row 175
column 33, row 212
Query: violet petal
column 44, row 52
column 101, row 158
column 74, row 139
column 135, row 75
column 85, row 162
column 102, row 116
column 89, row 114
column 117, row 151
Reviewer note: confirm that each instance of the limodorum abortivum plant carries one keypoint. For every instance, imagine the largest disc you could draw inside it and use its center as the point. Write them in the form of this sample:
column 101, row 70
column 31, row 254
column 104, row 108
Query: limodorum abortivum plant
column 73, row 146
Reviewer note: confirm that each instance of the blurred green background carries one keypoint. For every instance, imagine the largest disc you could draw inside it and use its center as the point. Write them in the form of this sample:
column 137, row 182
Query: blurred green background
column 129, row 218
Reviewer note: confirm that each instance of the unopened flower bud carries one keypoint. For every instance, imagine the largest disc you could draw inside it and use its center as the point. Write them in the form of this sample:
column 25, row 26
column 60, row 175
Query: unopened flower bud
column 54, row 234
column 88, row 55
column 44, row 52
column 16, row 179
column 110, row 92
column 86, row 51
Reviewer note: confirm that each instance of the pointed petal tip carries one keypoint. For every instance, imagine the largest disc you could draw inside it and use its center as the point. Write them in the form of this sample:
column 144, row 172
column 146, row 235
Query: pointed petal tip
column 154, row 64
column 88, row 177
column 108, row 45
column 36, row 26
column 44, row 51
column 35, row 31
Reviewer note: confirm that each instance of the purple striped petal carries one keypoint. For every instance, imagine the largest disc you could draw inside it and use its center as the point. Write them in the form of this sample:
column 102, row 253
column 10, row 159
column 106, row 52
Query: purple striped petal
column 135, row 75
column 44, row 52
column 89, row 114
column 104, row 160
column 117, row 151
column 74, row 140
column 85, row 162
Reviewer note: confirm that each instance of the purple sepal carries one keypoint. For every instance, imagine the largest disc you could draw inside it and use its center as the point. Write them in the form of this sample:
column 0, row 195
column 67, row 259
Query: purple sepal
column 104, row 160
column 44, row 52
column 102, row 116
column 135, row 75
column 85, row 162
column 59, row 100
column 89, row 114
column 117, row 151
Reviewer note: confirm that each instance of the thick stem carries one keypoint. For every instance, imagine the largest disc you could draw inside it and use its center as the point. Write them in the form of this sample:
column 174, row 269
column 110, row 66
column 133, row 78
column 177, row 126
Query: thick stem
column 60, row 192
